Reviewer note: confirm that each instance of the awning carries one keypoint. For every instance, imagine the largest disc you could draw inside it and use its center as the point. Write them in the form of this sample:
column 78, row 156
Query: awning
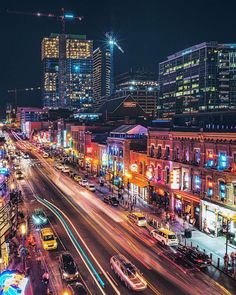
column 187, row 196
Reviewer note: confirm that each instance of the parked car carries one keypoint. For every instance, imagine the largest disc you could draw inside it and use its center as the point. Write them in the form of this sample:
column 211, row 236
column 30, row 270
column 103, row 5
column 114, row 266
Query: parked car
column 83, row 182
column 76, row 289
column 91, row 187
column 111, row 200
column 199, row 258
column 138, row 218
column 77, row 178
column 68, row 267
column 65, row 169
column 165, row 237
column 128, row 273
column 59, row 166
column 19, row 175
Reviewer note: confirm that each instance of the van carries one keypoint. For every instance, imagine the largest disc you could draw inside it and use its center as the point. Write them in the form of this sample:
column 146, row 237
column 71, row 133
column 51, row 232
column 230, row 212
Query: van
column 48, row 239
column 138, row 218
column 165, row 237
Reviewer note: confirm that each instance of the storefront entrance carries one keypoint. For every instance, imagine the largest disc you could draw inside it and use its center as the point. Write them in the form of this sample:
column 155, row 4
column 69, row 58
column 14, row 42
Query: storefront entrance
column 214, row 221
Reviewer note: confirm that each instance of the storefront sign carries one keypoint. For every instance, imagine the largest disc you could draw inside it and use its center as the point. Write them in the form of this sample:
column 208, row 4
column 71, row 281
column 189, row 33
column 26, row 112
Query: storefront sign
column 129, row 104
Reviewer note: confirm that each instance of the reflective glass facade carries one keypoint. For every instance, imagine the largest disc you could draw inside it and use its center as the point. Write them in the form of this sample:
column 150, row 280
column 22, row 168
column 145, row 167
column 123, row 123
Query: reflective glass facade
column 198, row 79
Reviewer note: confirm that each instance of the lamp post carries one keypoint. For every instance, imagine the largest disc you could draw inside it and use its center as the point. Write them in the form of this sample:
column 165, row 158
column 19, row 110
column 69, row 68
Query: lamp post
column 23, row 231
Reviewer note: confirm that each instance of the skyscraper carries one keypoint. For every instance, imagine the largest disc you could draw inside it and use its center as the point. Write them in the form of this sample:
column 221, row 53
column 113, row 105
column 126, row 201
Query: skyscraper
column 67, row 71
column 101, row 74
column 201, row 78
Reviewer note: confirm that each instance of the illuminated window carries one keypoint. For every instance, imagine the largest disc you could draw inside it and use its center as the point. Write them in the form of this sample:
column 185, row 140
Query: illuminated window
column 222, row 190
column 222, row 161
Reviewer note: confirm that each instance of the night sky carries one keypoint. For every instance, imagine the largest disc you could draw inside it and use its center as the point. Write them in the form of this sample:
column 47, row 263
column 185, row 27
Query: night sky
column 148, row 31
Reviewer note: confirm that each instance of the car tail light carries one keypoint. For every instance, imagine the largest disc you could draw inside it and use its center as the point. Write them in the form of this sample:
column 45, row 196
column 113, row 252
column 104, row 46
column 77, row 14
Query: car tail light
column 199, row 260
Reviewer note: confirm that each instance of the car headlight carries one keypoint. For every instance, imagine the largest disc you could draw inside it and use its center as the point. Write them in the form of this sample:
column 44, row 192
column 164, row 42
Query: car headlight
column 65, row 275
column 77, row 273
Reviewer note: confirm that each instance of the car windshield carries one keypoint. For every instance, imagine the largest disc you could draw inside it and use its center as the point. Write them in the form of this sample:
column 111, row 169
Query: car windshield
column 69, row 264
column 49, row 238
column 141, row 218
column 172, row 237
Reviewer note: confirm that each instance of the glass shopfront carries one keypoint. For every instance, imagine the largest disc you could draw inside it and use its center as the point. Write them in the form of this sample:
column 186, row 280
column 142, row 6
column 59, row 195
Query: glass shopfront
column 214, row 221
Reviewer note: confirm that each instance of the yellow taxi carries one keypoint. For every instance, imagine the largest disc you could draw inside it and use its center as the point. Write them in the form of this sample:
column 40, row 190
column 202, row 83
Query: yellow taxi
column 48, row 239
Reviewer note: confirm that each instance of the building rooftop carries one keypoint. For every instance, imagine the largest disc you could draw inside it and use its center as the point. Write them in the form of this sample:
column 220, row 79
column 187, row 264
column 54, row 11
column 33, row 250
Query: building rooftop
column 130, row 129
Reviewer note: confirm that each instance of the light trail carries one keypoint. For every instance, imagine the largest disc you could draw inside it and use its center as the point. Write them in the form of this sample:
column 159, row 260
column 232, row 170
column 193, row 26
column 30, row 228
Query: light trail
column 76, row 244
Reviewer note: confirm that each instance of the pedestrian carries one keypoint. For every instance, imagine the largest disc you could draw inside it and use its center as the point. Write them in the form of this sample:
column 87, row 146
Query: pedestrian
column 226, row 261
column 232, row 256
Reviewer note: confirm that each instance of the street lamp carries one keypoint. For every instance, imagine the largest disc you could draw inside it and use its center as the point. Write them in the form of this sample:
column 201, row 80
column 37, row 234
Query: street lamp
column 23, row 231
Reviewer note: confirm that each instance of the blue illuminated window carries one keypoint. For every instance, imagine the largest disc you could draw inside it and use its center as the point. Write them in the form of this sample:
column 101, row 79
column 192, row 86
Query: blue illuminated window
column 222, row 190
column 210, row 192
column 197, row 182
column 222, row 161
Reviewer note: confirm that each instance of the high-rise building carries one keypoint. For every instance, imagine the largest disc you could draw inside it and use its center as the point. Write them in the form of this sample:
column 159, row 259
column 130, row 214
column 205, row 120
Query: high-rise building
column 101, row 74
column 142, row 86
column 201, row 78
column 67, row 72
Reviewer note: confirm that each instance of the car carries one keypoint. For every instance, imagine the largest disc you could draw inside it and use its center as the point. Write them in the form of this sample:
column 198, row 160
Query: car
column 26, row 156
column 48, row 239
column 59, row 166
column 68, row 267
column 39, row 217
column 65, row 169
column 76, row 289
column 128, row 273
column 138, row 218
column 16, row 167
column 91, row 187
column 197, row 257
column 45, row 155
column 165, row 237
column 19, row 175
column 77, row 178
column 111, row 200
column 83, row 182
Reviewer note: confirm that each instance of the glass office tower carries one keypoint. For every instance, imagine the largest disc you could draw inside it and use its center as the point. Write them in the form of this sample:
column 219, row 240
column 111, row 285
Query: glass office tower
column 201, row 78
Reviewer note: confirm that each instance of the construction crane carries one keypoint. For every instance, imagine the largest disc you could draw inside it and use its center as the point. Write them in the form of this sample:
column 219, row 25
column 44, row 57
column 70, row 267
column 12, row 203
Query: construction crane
column 63, row 17
column 15, row 91
column 111, row 41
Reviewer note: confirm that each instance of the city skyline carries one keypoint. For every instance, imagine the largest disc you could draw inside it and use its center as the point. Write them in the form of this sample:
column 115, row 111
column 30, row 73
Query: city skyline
column 163, row 36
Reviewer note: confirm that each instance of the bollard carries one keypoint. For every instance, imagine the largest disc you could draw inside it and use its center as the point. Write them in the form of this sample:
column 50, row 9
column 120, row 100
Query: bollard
column 185, row 242
column 211, row 256
column 197, row 247
column 191, row 244
column 218, row 262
